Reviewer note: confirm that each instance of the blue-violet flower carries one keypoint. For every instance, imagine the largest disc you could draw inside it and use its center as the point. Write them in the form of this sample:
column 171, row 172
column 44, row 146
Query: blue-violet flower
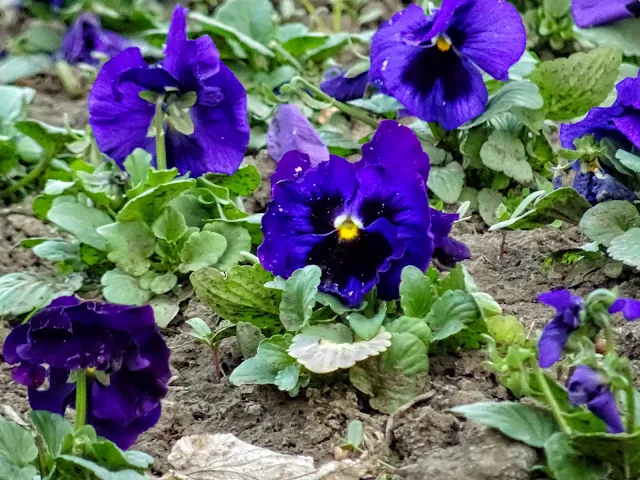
column 592, row 13
column 556, row 333
column 207, row 128
column 629, row 307
column 596, row 185
column 448, row 251
column 335, row 84
column 86, row 36
column 117, row 342
column 432, row 65
column 588, row 387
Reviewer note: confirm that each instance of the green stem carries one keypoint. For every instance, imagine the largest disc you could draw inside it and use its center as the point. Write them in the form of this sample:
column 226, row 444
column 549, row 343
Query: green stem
column 553, row 404
column 343, row 107
column 161, row 148
column 286, row 55
column 631, row 402
column 81, row 398
column 608, row 335
column 30, row 177
column 337, row 15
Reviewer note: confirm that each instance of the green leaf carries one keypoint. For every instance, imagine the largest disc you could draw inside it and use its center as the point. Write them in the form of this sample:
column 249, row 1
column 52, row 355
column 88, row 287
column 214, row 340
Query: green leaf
column 202, row 249
column 562, row 204
column 238, row 241
column 16, row 444
column 242, row 183
column 621, row 451
column 118, row 287
column 163, row 283
column 287, row 379
column 521, row 93
column 416, row 326
column 608, row 220
column 299, row 297
column 165, row 309
column 488, row 202
column 254, row 371
column 81, row 221
column 51, row 139
column 259, row 25
column 572, row 86
column 274, row 351
column 9, row 471
column 100, row 472
column 378, row 103
column 129, row 245
column 506, row 330
column 504, row 152
column 13, row 102
column 39, row 38
column 629, row 160
column 147, row 206
column 417, row 292
column 24, row 292
column 107, row 454
column 556, row 8
column 137, row 165
column 58, row 250
column 239, row 295
column 170, row 226
column 623, row 35
column 52, row 428
column 17, row 67
column 626, row 248
column 200, row 328
column 447, row 182
column 367, row 328
column 396, row 376
column 525, row 423
column 249, row 337
column 354, row 433
column 567, row 464
column 335, row 304
column 451, row 313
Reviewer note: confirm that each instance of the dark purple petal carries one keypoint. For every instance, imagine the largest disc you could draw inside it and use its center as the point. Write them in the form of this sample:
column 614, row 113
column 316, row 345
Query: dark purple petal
column 29, row 375
column 629, row 126
column 553, row 339
column 221, row 131
column 120, row 125
column 68, row 301
column 629, row 307
column 441, row 225
column 395, row 147
column 429, row 27
column 290, row 130
column 335, row 84
column 86, row 36
column 16, row 338
column 154, row 79
column 450, row 252
column 291, row 166
column 588, row 387
column 629, row 92
column 57, row 397
column 490, row 33
column 558, row 299
column 124, row 436
column 592, row 13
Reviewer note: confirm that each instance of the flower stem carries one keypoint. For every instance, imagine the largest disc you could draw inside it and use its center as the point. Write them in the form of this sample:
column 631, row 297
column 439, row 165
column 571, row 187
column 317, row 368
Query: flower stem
column 286, row 55
column 631, row 402
column 30, row 177
column 81, row 398
column 337, row 15
column 608, row 335
column 161, row 148
column 553, row 404
column 343, row 107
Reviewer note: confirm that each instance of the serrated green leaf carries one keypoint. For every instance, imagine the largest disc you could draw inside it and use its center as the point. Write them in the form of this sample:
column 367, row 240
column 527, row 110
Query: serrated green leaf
column 572, row 86
column 567, row 464
column 249, row 337
column 417, row 292
column 137, row 165
column 623, row 35
column 447, row 182
column 504, row 152
column 299, row 297
column 118, row 287
column 238, row 241
column 100, row 472
column 556, row 8
column 274, row 351
column 202, row 249
column 451, row 313
column 506, row 330
column 81, row 221
column 24, row 292
column 240, row 294
column 416, row 326
column 367, row 328
column 626, row 248
column 170, row 225
column 129, row 245
column 608, row 220
column 147, row 206
column 242, row 183
column 17, row 444
column 525, row 423
column 621, row 451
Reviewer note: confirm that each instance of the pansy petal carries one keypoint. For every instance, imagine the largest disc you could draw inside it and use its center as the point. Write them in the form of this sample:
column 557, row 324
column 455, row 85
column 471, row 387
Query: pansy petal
column 591, row 13
column 598, row 122
column 558, row 299
column 221, row 131
column 629, row 307
column 57, row 397
column 292, row 165
column 290, row 130
column 124, row 436
column 395, row 146
column 604, row 407
column 433, row 25
column 335, row 84
column 120, row 125
column 66, row 301
column 553, row 339
column 29, row 375
column 450, row 252
column 490, row 33
column 154, row 79
column 629, row 126
column 17, row 337
column 629, row 92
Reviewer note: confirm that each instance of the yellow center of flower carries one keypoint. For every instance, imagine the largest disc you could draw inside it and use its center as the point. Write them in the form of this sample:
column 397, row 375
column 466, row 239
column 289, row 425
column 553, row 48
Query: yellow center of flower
column 443, row 44
column 348, row 231
column 594, row 166
column 91, row 372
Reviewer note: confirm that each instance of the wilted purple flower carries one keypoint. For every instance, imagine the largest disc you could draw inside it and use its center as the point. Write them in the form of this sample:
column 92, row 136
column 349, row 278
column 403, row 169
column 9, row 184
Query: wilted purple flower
column 629, row 307
column 620, row 122
column 362, row 223
column 120, row 342
column 448, row 251
column 598, row 186
column 588, row 387
column 556, row 333
column 206, row 105
column 86, row 36
column 290, row 130
column 592, row 13
column 335, row 84
column 432, row 64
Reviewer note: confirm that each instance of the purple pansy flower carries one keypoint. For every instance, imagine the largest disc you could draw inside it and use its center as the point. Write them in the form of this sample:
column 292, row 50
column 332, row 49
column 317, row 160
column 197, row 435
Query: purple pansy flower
column 448, row 251
column 598, row 187
column 629, row 307
column 620, row 121
column 592, row 13
column 556, row 333
column 335, row 84
column 207, row 128
column 588, row 387
column 121, row 342
column 86, row 36
column 432, row 65
column 362, row 223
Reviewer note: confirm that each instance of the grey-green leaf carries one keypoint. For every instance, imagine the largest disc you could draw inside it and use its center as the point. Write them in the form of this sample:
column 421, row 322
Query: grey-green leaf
column 238, row 241
column 299, row 297
column 24, row 292
column 118, row 287
column 452, row 312
column 608, row 220
column 202, row 249
column 130, row 245
column 81, row 221
column 417, row 292
column 170, row 225
column 447, row 182
column 367, row 328
column 504, row 152
column 626, row 248
column 16, row 444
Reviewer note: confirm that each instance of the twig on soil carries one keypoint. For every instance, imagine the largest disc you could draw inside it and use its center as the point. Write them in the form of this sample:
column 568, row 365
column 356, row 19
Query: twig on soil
column 388, row 431
column 503, row 245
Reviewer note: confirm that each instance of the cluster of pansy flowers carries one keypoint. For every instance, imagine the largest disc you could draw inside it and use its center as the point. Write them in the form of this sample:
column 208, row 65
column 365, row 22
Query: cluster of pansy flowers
column 586, row 385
